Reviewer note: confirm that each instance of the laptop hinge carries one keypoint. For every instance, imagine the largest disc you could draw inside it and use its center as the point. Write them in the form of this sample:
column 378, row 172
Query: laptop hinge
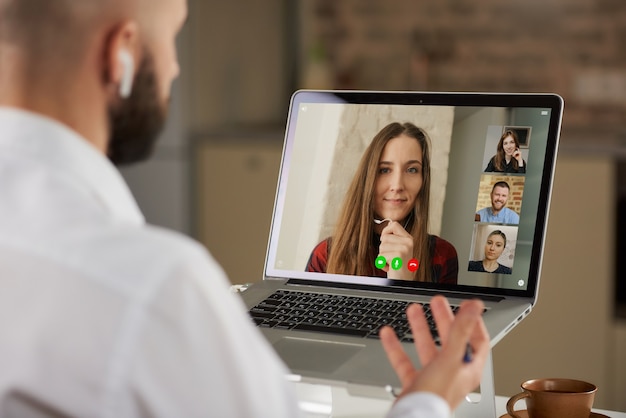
column 393, row 289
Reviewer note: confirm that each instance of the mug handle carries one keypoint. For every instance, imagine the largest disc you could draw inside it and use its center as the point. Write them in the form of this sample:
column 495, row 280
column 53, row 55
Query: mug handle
column 512, row 401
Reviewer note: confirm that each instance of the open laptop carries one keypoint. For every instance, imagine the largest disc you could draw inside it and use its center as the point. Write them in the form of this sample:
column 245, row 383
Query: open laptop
column 327, row 133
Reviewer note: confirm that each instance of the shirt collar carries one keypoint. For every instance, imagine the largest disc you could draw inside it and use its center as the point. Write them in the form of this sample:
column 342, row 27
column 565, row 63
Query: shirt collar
column 51, row 143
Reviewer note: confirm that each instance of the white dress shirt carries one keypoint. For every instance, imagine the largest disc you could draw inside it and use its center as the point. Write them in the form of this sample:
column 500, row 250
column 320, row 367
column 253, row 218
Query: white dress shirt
column 102, row 315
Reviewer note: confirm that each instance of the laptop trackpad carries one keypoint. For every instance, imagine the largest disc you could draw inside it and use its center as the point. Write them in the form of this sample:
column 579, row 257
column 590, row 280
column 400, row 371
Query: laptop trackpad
column 312, row 355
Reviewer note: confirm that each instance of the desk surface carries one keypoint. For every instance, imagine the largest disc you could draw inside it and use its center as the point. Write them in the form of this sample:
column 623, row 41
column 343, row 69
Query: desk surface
column 346, row 406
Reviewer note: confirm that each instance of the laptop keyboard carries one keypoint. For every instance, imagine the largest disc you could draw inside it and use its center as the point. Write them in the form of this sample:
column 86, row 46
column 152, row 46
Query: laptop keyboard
column 336, row 314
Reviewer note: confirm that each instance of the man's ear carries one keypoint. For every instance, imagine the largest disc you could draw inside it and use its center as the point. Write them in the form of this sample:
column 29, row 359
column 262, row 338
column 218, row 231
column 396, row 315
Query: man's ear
column 121, row 55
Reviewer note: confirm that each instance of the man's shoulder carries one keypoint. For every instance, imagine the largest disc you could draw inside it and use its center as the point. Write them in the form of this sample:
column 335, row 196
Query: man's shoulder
column 510, row 213
column 485, row 214
column 150, row 240
column 172, row 239
column 137, row 255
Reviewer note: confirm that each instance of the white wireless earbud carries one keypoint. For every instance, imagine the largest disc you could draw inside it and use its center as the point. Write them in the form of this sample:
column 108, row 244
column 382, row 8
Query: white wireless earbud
column 128, row 70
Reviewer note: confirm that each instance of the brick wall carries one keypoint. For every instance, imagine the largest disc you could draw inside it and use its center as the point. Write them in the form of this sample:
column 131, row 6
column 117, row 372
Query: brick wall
column 576, row 48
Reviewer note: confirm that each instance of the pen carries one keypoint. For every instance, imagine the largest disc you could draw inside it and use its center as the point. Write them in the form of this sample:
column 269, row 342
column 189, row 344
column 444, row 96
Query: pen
column 467, row 358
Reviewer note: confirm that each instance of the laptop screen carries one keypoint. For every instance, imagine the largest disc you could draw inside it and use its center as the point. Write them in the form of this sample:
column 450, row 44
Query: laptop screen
column 443, row 191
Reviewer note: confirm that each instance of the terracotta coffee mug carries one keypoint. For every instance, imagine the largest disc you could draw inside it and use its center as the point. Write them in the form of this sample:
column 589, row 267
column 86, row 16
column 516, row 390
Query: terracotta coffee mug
column 555, row 398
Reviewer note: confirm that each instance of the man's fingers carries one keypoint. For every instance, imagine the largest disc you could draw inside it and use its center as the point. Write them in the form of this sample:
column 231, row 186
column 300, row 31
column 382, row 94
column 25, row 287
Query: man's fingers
column 424, row 344
column 399, row 360
column 444, row 371
column 468, row 327
column 479, row 339
column 443, row 316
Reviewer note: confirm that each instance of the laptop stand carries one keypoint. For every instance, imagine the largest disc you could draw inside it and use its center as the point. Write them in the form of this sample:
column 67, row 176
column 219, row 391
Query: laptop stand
column 485, row 405
column 316, row 401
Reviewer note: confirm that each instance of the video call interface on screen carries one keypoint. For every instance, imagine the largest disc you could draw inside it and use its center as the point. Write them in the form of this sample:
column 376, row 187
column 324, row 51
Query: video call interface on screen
column 484, row 207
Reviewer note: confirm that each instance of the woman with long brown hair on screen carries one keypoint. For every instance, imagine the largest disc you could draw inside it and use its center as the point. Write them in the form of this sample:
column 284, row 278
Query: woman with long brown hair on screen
column 385, row 213
column 508, row 158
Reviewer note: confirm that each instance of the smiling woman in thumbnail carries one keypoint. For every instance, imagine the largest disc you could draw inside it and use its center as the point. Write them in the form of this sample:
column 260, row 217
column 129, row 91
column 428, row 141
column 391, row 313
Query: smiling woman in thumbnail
column 495, row 245
column 385, row 214
column 508, row 158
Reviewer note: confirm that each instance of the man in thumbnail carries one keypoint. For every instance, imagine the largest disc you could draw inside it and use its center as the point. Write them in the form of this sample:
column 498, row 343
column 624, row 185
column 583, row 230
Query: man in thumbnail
column 498, row 212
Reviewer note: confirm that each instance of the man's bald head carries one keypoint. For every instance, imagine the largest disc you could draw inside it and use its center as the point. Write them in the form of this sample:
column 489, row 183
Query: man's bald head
column 102, row 67
column 48, row 33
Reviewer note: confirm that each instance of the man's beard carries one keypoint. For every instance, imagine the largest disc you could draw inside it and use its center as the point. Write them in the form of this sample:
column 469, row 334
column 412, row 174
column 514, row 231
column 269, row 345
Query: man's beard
column 136, row 121
column 498, row 206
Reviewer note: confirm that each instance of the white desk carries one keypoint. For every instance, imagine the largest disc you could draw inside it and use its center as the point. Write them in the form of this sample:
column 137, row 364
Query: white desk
column 346, row 406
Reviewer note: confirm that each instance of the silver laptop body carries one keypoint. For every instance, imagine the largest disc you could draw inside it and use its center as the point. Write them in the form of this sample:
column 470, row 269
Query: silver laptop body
column 326, row 134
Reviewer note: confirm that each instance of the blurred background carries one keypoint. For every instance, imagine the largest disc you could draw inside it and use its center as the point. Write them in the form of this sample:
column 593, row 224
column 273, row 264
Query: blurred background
column 214, row 172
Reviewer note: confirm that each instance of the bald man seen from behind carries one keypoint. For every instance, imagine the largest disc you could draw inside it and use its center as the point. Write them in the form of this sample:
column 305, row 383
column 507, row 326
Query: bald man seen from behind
column 103, row 315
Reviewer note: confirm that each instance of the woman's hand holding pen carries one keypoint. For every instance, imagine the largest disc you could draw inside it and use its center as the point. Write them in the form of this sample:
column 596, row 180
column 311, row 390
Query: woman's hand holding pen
column 517, row 154
column 396, row 242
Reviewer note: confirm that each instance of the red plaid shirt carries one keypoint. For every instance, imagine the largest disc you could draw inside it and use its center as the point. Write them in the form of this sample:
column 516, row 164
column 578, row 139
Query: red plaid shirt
column 444, row 263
